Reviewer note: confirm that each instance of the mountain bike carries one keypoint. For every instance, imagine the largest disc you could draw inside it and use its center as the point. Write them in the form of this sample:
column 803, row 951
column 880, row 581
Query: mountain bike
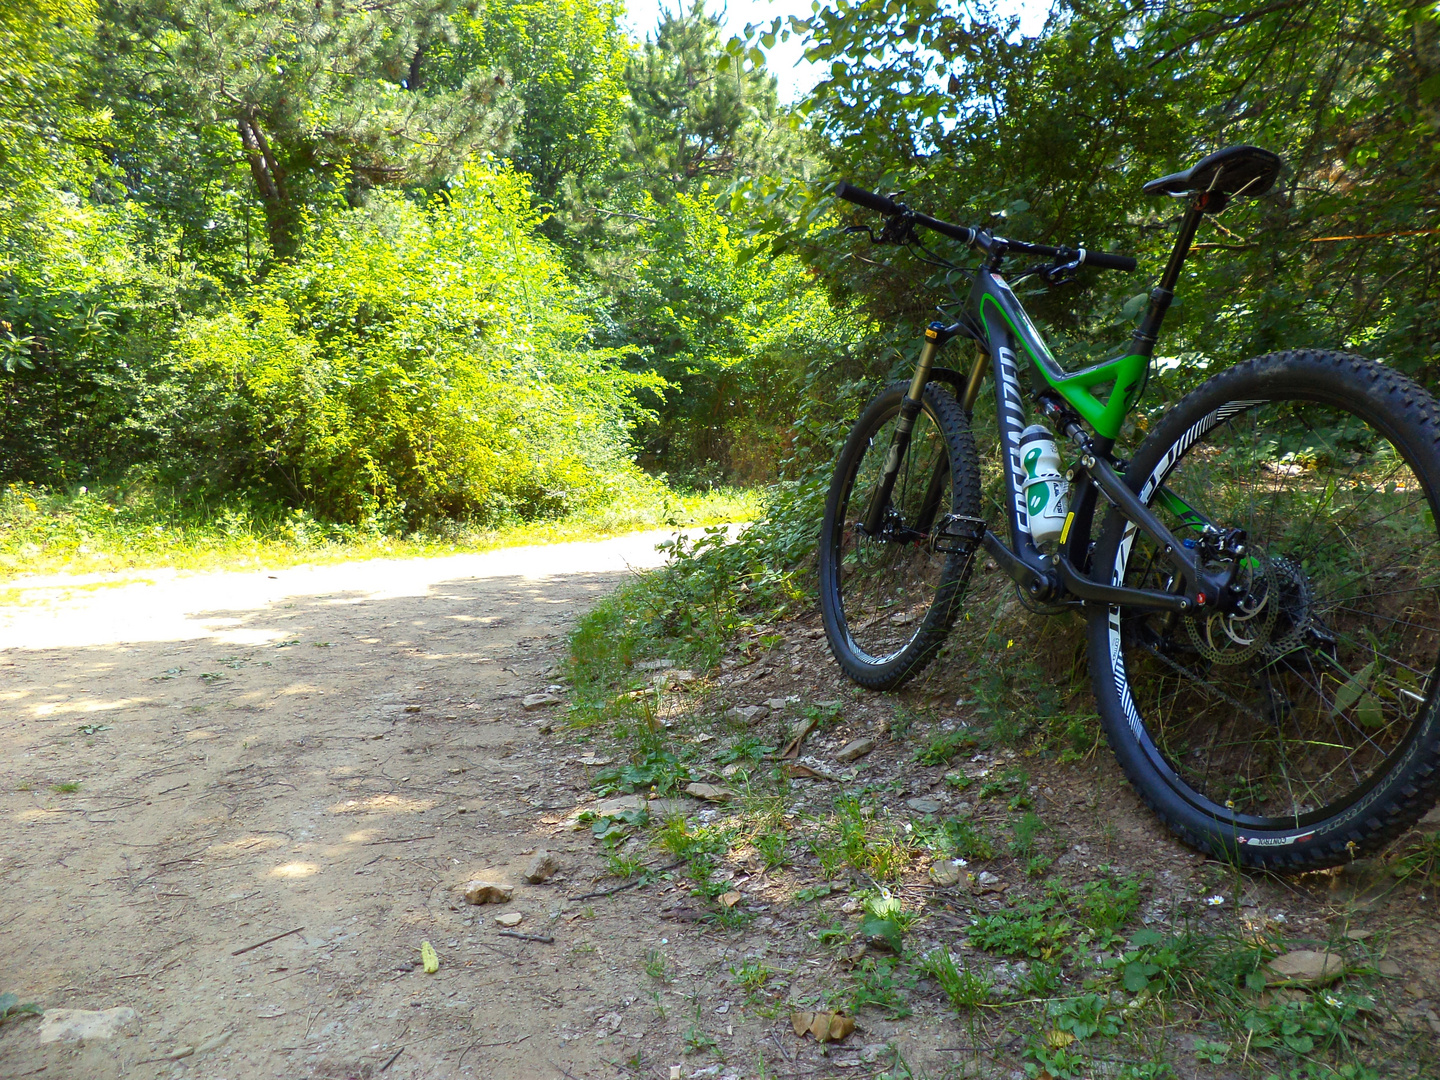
column 1260, row 582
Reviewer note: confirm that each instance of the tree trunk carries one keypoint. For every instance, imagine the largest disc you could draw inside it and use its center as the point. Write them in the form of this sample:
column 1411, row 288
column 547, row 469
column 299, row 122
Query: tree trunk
column 269, row 179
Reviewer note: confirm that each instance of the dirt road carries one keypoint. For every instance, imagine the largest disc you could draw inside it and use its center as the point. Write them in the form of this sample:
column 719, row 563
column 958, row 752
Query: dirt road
column 194, row 764
column 234, row 805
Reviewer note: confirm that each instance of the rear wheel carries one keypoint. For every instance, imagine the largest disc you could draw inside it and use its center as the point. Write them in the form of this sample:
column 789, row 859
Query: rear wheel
column 888, row 600
column 1300, row 727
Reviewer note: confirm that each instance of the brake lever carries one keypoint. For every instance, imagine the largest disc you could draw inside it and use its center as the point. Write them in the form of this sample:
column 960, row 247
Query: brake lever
column 1060, row 273
column 851, row 230
column 898, row 230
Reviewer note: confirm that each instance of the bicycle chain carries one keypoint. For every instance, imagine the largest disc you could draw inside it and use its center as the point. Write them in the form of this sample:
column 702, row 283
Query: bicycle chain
column 1181, row 669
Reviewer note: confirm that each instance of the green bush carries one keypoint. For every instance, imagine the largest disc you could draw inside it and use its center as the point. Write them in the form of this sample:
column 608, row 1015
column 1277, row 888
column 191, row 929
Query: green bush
column 430, row 361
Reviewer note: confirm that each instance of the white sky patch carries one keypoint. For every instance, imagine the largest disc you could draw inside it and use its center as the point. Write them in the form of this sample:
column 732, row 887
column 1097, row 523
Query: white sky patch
column 787, row 61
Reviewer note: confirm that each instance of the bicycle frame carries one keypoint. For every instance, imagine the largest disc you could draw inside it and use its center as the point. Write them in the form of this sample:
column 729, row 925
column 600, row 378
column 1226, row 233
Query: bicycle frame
column 997, row 321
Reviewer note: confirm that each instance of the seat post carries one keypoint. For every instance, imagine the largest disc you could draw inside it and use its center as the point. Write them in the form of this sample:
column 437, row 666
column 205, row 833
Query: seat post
column 1143, row 341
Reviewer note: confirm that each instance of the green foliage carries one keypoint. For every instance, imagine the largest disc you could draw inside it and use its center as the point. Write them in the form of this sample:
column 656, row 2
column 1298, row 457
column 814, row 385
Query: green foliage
column 959, row 838
column 979, row 124
column 966, row 988
column 424, row 361
column 12, row 1009
column 730, row 333
column 566, row 64
column 320, row 102
column 880, row 983
column 855, row 837
column 885, row 921
column 658, row 770
column 946, row 745
column 693, row 117
column 752, row 974
column 687, row 612
column 1035, row 929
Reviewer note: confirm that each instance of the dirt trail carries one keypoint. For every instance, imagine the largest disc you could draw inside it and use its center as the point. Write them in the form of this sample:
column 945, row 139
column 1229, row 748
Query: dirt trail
column 334, row 748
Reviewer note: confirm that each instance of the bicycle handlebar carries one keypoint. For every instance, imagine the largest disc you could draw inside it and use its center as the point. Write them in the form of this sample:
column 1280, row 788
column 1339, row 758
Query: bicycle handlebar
column 868, row 199
column 1101, row 260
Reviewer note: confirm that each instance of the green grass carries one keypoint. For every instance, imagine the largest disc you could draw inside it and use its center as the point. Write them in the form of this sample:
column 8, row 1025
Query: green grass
column 44, row 532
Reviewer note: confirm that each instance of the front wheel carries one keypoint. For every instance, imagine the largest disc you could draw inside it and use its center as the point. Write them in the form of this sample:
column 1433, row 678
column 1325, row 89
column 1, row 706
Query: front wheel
column 1298, row 727
column 889, row 598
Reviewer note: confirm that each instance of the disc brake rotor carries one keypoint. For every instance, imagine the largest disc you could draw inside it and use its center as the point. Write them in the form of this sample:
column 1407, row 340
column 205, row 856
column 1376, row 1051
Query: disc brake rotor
column 1227, row 638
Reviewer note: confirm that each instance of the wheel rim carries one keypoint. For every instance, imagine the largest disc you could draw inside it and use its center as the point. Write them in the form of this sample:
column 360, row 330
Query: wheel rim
column 886, row 585
column 1320, row 689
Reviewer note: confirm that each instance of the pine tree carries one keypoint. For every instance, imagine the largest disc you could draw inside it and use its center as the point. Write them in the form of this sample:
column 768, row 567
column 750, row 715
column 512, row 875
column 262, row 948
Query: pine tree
column 324, row 97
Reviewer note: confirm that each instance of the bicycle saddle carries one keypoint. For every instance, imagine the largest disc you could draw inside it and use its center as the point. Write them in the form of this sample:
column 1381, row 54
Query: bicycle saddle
column 1236, row 170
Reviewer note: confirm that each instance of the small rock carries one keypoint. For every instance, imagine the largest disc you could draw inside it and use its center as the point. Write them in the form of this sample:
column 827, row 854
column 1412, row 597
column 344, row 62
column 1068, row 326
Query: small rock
column 510, row 918
column 540, row 867
column 1430, row 822
column 730, row 770
column 854, row 751
column 986, row 880
column 1305, row 966
column 539, row 701
column 674, row 1072
column 213, row 1042
column 946, row 872
column 680, row 676
column 480, row 891
column 75, row 1025
column 776, row 704
column 747, row 714
column 653, row 665
column 668, row 808
column 923, row 805
column 1388, row 968
column 709, row 792
column 812, row 768
column 621, row 804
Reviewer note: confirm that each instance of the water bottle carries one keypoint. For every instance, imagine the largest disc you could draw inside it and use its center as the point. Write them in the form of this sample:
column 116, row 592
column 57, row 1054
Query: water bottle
column 1047, row 492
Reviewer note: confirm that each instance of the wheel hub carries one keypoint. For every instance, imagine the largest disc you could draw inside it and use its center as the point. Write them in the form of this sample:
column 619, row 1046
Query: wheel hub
column 1268, row 619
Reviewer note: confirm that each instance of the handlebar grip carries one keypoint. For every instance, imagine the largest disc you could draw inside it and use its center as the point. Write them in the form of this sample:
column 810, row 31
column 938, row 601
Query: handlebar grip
column 1103, row 260
column 868, row 199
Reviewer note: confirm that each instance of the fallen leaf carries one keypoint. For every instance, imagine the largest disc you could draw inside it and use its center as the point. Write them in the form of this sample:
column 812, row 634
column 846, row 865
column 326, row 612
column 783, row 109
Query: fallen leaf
column 1055, row 1038
column 824, row 1026
column 792, row 748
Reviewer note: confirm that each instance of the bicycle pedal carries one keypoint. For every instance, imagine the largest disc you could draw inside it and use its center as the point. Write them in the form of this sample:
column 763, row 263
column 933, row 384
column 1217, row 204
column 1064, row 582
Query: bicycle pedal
column 958, row 533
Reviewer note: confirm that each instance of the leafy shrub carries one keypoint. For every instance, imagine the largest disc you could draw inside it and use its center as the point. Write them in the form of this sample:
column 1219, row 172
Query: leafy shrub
column 431, row 360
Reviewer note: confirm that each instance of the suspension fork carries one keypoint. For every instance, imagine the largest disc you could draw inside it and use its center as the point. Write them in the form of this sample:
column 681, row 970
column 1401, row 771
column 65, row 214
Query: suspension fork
column 936, row 491
column 909, row 409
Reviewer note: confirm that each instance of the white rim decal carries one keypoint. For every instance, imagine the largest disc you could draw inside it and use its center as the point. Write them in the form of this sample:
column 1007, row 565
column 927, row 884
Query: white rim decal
column 1157, row 477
